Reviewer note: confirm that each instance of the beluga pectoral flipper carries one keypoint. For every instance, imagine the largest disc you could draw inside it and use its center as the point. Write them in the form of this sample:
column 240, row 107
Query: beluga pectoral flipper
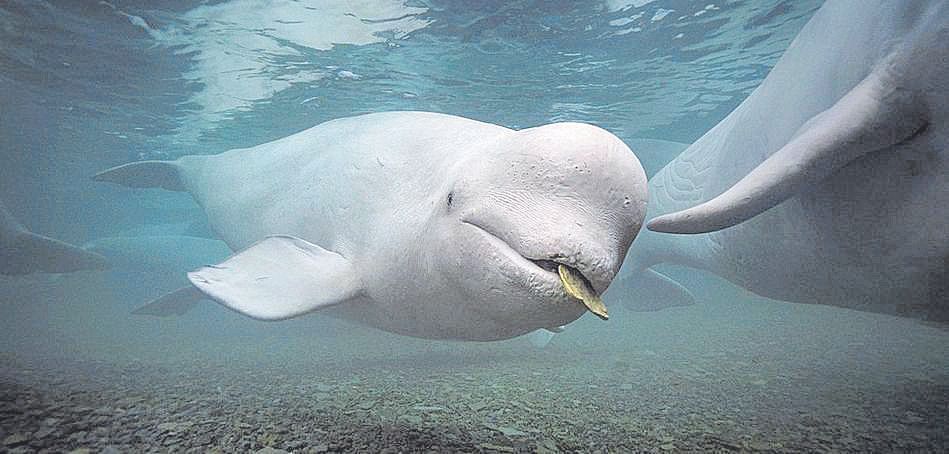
column 280, row 277
column 877, row 114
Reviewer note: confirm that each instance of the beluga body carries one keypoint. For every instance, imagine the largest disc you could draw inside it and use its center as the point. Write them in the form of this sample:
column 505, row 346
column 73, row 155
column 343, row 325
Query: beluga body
column 421, row 224
column 830, row 183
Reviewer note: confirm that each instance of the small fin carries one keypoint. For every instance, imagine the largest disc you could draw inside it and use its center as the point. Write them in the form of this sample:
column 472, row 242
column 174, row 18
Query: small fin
column 556, row 329
column 873, row 115
column 177, row 302
column 29, row 253
column 145, row 174
column 278, row 278
column 650, row 291
column 540, row 338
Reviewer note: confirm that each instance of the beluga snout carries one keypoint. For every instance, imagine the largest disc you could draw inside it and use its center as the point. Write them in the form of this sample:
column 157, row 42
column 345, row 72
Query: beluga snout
column 575, row 284
column 416, row 223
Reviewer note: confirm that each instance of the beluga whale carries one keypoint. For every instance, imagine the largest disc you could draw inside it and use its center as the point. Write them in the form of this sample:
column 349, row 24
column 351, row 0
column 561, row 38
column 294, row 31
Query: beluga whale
column 829, row 184
column 25, row 252
column 421, row 224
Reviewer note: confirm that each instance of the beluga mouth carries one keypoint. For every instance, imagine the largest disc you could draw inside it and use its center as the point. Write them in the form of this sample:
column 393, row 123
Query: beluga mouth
column 577, row 286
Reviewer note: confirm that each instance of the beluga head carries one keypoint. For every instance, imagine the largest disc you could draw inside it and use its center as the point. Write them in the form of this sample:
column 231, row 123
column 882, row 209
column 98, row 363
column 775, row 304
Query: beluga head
column 533, row 226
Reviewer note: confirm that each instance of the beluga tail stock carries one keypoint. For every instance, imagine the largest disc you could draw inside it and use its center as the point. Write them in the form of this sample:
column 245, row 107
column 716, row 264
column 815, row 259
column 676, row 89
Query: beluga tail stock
column 421, row 224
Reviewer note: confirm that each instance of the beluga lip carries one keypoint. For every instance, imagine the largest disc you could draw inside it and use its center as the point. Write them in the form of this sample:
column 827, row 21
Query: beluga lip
column 575, row 284
column 547, row 265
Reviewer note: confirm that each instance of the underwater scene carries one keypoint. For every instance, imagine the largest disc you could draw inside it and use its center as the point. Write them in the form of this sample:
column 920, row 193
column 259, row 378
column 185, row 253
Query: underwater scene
column 425, row 226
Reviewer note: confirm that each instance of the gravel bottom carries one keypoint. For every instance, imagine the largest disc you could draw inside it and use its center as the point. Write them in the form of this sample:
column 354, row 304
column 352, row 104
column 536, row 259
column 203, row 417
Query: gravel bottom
column 495, row 405
column 746, row 376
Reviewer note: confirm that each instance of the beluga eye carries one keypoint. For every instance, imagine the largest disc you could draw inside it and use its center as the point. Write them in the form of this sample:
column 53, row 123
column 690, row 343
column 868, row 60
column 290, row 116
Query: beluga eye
column 451, row 198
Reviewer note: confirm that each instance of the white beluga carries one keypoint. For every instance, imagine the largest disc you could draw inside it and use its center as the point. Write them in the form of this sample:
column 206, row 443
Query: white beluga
column 830, row 183
column 420, row 224
column 25, row 252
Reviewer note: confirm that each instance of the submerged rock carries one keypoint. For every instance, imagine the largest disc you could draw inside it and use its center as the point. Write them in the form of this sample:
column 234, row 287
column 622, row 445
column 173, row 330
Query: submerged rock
column 43, row 432
column 413, row 420
column 168, row 427
column 508, row 431
column 494, row 447
column 428, row 408
column 269, row 450
column 15, row 440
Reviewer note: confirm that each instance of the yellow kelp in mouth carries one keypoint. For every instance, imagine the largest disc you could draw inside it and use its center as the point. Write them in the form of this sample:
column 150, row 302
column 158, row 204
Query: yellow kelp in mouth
column 578, row 288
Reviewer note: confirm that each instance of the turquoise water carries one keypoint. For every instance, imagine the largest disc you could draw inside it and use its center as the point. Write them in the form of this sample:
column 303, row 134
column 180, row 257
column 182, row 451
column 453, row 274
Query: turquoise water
column 88, row 85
